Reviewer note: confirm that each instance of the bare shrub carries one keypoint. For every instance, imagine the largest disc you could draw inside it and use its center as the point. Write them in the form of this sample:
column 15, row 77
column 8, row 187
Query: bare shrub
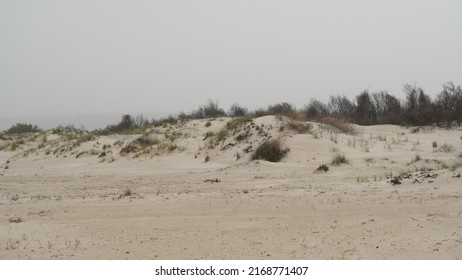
column 237, row 111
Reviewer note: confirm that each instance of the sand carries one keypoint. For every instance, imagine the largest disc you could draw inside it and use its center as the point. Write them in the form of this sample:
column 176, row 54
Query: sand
column 171, row 203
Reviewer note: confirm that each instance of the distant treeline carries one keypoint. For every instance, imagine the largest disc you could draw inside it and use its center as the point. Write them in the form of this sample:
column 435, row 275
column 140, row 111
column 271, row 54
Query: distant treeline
column 365, row 109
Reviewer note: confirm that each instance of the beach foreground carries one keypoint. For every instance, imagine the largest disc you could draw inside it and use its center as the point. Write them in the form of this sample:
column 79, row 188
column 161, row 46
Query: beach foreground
column 398, row 196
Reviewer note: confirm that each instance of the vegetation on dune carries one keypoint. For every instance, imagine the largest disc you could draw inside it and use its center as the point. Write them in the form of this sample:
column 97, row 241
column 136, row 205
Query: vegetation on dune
column 271, row 150
column 339, row 159
column 21, row 128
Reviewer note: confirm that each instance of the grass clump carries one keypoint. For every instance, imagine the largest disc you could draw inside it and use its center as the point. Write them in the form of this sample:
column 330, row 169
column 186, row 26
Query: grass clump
column 237, row 122
column 446, row 148
column 323, row 168
column 271, row 150
column 415, row 130
column 21, row 128
column 340, row 124
column 299, row 127
column 339, row 159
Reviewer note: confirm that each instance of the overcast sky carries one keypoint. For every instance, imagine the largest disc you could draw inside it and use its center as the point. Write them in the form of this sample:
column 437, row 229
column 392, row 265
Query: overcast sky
column 68, row 57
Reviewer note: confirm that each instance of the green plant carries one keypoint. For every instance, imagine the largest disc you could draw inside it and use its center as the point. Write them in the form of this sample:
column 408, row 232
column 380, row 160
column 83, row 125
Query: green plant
column 20, row 128
column 339, row 159
column 323, row 168
column 415, row 130
column 237, row 122
column 127, row 192
column 271, row 150
column 207, row 124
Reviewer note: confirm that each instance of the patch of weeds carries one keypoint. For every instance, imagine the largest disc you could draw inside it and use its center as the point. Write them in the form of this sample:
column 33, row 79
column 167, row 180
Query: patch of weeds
column 234, row 124
column 209, row 134
column 207, row 124
column 299, row 127
column 16, row 220
column 456, row 166
column 322, row 168
column 127, row 193
column 415, row 159
column 207, row 159
column 369, row 160
column 340, row 124
column 415, row 130
column 446, row 148
column 362, row 179
column 14, row 145
column 271, row 150
column 339, row 159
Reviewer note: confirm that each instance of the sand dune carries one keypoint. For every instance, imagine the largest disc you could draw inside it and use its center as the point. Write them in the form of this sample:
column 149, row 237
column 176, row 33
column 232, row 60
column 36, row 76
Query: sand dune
column 177, row 192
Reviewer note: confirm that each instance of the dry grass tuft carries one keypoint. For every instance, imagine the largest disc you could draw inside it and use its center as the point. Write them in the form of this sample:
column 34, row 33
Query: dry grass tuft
column 270, row 151
column 339, row 159
column 340, row 124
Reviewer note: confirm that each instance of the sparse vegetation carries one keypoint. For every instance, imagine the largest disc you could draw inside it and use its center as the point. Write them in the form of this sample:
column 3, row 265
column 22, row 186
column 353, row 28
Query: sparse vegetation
column 339, row 159
column 127, row 192
column 446, row 148
column 21, row 128
column 322, row 168
column 415, row 130
column 299, row 127
column 340, row 124
column 271, row 150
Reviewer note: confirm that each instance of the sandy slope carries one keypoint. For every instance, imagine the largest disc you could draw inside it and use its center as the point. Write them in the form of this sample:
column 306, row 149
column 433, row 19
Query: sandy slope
column 74, row 208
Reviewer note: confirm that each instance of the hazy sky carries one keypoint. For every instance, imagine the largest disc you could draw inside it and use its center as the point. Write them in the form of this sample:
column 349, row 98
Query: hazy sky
column 66, row 57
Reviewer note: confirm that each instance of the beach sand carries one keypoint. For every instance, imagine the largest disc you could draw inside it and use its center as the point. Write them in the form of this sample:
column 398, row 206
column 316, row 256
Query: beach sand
column 62, row 201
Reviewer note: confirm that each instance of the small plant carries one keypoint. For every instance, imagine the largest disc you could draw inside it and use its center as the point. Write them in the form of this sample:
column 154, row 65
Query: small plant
column 415, row 130
column 207, row 124
column 323, row 168
column 207, row 159
column 16, row 220
column 238, row 156
column 209, row 134
column 339, row 159
column 446, row 148
column 434, row 145
column 126, row 193
column 14, row 145
column 369, row 160
column 233, row 124
column 270, row 151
